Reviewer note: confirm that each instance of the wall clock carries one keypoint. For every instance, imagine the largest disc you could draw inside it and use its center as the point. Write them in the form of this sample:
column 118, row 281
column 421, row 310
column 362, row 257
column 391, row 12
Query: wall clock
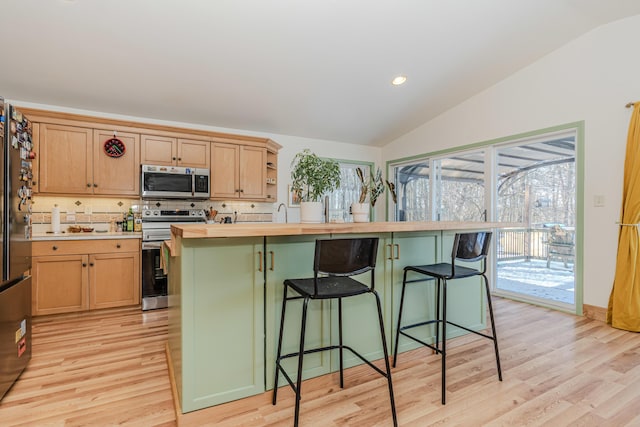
column 114, row 147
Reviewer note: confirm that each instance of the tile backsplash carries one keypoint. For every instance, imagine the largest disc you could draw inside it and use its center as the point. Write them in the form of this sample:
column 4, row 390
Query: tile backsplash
column 79, row 210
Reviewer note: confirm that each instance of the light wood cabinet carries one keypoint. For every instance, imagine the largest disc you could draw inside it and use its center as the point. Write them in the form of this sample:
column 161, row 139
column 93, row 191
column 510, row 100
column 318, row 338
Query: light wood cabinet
column 72, row 160
column 238, row 171
column 65, row 159
column 77, row 275
column 167, row 151
column 116, row 175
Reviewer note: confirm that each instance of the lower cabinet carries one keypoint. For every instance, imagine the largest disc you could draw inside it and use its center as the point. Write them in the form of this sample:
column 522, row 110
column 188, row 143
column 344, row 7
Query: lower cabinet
column 218, row 351
column 77, row 275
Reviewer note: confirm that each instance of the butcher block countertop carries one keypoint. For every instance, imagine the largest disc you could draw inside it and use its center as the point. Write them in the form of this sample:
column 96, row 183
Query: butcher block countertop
column 204, row 231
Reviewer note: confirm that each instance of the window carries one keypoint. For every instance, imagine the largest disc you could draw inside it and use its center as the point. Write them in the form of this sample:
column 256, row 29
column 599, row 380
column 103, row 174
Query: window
column 349, row 191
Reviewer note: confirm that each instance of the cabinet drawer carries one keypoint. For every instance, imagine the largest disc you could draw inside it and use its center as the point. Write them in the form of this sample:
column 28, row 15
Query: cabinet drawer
column 74, row 247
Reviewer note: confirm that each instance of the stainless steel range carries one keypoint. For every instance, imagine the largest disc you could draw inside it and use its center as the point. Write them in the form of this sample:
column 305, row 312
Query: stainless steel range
column 156, row 227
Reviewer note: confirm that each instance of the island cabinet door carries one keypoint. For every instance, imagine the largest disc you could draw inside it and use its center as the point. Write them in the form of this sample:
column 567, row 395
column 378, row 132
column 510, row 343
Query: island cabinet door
column 360, row 314
column 415, row 248
column 222, row 343
column 291, row 257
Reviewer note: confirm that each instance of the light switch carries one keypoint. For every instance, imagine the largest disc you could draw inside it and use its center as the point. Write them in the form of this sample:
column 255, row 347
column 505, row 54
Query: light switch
column 598, row 201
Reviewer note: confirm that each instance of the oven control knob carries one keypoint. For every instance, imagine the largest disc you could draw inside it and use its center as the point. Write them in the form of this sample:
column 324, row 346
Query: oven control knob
column 156, row 213
column 147, row 213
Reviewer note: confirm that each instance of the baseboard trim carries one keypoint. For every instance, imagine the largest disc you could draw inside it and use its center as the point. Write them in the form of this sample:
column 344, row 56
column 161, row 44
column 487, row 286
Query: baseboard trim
column 594, row 312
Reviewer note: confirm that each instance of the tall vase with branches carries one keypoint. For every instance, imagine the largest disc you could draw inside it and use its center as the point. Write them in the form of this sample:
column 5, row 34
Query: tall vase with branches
column 371, row 187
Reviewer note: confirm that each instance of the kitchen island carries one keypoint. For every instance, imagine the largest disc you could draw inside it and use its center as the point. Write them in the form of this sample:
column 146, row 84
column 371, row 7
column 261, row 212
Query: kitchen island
column 225, row 296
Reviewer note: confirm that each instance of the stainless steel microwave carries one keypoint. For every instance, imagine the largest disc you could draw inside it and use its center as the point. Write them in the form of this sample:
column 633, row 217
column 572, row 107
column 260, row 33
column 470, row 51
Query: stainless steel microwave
column 171, row 182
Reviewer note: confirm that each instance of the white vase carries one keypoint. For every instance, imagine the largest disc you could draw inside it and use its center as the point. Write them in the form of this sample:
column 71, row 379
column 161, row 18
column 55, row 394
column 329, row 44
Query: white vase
column 360, row 212
column 311, row 212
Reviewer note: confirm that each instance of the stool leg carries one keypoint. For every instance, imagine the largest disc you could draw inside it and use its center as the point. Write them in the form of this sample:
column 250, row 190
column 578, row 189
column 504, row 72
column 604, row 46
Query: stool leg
column 386, row 360
column 340, row 339
column 444, row 339
column 275, row 381
column 395, row 351
column 493, row 327
column 437, row 343
column 305, row 304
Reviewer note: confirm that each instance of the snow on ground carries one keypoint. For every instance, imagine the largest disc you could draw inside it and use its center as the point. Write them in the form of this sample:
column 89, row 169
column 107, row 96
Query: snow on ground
column 534, row 278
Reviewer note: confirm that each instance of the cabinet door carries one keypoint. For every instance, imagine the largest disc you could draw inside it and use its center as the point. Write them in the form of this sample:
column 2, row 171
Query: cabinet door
column 65, row 159
column 253, row 172
column 116, row 175
column 224, row 171
column 60, row 284
column 286, row 258
column 114, row 279
column 158, row 150
column 195, row 154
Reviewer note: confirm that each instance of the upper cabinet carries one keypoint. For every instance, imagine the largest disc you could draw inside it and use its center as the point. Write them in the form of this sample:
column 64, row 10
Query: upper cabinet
column 238, row 171
column 75, row 160
column 166, row 151
column 93, row 156
column 116, row 174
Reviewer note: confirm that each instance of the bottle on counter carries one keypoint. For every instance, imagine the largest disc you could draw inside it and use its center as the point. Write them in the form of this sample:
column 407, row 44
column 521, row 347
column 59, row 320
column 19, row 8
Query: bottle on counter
column 130, row 220
column 137, row 222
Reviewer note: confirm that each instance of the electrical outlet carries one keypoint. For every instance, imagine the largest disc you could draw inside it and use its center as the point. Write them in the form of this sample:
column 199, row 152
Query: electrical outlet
column 598, row 201
column 87, row 210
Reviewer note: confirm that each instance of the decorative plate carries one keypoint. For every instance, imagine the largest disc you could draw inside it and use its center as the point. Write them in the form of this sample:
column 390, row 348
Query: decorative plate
column 114, row 147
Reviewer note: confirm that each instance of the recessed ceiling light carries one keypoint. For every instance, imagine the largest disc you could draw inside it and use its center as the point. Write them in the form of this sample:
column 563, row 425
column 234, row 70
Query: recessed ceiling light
column 397, row 81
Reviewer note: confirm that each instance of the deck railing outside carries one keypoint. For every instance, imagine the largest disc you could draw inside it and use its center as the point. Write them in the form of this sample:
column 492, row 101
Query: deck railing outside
column 523, row 243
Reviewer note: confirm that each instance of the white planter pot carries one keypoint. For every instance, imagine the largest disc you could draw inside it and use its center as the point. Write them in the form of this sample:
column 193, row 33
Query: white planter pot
column 360, row 212
column 311, row 212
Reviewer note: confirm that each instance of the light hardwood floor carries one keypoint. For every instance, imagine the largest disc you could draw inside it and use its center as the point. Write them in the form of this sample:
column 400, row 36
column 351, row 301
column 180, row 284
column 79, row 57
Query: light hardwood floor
column 109, row 367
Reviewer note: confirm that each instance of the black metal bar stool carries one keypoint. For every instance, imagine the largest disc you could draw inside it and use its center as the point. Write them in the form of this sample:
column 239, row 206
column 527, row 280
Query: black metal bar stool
column 334, row 261
column 468, row 247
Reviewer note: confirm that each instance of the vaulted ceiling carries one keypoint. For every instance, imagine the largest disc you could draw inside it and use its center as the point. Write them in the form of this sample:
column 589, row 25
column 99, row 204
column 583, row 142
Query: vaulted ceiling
column 313, row 68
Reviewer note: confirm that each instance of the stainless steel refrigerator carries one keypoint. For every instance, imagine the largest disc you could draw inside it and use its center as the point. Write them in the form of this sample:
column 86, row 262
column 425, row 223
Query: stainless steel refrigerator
column 15, row 287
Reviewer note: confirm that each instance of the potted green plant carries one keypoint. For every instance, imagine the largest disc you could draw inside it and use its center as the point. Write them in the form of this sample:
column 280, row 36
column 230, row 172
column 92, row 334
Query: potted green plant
column 312, row 178
column 371, row 187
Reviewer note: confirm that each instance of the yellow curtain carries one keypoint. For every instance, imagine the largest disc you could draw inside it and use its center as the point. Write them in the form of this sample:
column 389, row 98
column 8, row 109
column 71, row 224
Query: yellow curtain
column 624, row 302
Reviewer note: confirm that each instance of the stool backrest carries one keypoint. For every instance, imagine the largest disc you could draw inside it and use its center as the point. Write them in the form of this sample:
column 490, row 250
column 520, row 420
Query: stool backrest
column 345, row 257
column 470, row 247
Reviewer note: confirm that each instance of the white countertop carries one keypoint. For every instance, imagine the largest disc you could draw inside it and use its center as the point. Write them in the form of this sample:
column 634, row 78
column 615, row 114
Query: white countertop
column 93, row 235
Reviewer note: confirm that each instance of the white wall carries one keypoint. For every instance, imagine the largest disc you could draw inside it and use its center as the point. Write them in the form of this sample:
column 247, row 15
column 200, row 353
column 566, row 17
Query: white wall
column 290, row 146
column 590, row 79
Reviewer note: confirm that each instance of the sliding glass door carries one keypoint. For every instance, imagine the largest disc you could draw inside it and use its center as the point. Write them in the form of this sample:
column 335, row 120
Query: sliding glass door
column 530, row 181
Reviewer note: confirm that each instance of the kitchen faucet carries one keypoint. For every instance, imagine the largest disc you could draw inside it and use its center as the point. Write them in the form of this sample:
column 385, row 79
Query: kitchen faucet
column 286, row 219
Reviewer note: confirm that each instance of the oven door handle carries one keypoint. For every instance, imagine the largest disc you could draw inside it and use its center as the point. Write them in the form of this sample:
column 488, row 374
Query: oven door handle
column 151, row 245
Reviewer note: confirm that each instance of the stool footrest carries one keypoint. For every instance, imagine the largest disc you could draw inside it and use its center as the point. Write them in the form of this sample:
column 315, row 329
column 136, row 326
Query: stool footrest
column 330, row 347
column 418, row 340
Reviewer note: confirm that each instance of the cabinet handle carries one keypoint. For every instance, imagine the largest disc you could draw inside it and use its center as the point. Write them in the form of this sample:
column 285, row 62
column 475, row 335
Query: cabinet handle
column 55, row 248
column 118, row 245
column 95, row 185
column 241, row 190
column 260, row 258
column 33, row 182
column 84, row 264
column 90, row 264
column 173, row 158
column 397, row 251
column 88, row 185
column 273, row 261
column 390, row 247
column 179, row 159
